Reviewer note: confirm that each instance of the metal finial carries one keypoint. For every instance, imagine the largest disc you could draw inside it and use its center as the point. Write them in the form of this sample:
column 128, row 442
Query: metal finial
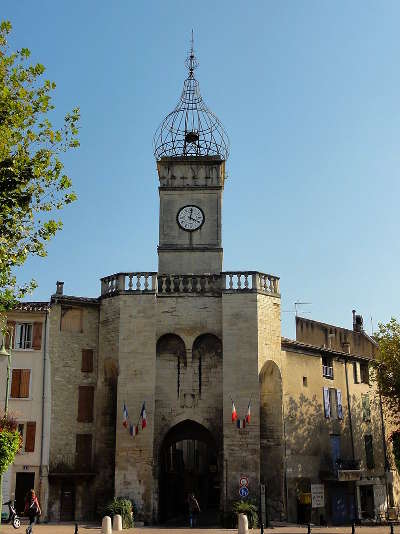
column 191, row 61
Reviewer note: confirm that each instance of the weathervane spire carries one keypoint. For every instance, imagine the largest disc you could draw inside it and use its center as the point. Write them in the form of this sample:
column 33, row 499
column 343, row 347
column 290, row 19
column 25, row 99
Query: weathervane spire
column 191, row 61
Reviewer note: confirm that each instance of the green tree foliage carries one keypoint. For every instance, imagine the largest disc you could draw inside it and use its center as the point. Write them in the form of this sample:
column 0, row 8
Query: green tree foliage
column 10, row 441
column 387, row 367
column 247, row 508
column 123, row 507
column 32, row 181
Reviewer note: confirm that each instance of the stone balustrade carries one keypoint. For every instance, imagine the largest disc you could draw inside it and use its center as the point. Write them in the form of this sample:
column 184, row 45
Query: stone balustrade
column 129, row 282
column 185, row 284
column 250, row 281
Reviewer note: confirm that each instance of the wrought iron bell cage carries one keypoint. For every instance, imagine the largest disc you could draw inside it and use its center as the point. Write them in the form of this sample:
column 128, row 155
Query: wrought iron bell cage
column 191, row 129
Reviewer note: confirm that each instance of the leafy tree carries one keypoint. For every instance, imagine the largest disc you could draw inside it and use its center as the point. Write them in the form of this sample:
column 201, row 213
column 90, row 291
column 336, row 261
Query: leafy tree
column 32, row 181
column 387, row 368
column 10, row 441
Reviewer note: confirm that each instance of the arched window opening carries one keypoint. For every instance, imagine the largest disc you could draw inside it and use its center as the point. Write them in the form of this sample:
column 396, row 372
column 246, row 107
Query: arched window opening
column 207, row 354
column 171, row 347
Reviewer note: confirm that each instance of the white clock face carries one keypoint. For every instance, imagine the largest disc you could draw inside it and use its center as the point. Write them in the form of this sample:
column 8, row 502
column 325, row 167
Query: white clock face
column 190, row 218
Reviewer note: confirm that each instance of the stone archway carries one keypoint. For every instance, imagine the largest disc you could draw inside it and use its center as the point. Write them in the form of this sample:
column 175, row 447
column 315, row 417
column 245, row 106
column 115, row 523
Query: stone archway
column 272, row 438
column 188, row 464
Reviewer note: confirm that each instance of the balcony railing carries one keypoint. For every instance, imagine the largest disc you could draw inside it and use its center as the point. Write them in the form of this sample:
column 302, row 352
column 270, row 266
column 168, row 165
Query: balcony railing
column 347, row 465
column 179, row 284
column 327, row 371
column 70, row 463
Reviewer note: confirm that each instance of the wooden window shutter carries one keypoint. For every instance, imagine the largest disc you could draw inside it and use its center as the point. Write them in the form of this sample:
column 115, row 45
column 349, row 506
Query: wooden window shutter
column 10, row 328
column 87, row 361
column 83, row 451
column 24, row 385
column 16, row 382
column 37, row 336
column 30, row 436
column 85, row 404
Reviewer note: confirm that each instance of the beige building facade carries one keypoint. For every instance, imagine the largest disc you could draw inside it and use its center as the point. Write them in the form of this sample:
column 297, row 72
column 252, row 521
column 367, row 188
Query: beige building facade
column 179, row 381
column 28, row 401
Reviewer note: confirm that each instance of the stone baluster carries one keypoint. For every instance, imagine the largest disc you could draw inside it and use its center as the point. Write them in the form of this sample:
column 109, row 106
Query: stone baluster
column 154, row 282
column 246, row 281
column 119, row 282
column 138, row 278
column 130, row 283
column 230, row 281
column 239, row 281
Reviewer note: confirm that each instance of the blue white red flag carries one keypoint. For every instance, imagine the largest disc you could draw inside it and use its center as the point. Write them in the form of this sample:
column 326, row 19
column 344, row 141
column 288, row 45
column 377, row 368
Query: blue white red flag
column 125, row 417
column 248, row 414
column 143, row 416
column 234, row 413
column 241, row 423
column 131, row 430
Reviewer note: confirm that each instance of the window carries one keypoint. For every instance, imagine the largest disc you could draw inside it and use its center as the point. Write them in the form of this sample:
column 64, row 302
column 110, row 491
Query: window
column 305, row 383
column 23, row 336
column 356, row 372
column 85, row 404
column 364, row 373
column 20, row 383
column 327, row 367
column 366, row 408
column 333, row 407
column 30, row 436
column 71, row 319
column 87, row 361
column 369, row 451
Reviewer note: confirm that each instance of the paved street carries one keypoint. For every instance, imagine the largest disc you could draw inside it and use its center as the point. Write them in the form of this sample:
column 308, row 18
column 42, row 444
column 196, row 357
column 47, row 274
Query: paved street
column 56, row 528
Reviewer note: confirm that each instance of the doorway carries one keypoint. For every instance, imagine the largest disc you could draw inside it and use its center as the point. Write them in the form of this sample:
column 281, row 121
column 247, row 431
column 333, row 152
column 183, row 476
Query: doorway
column 67, row 508
column 367, row 502
column 189, row 464
column 23, row 483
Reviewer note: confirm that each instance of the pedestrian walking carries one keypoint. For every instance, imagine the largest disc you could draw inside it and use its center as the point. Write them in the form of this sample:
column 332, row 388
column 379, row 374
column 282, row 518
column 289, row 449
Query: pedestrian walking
column 32, row 509
column 194, row 510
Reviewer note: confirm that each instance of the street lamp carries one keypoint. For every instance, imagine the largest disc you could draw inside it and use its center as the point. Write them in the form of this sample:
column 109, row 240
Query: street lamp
column 7, row 354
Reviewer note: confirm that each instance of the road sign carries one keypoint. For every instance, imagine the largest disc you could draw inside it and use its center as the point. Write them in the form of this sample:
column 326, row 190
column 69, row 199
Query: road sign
column 317, row 496
column 243, row 481
column 244, row 491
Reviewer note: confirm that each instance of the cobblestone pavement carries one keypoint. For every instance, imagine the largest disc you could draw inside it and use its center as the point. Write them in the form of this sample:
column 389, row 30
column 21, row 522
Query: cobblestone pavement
column 69, row 528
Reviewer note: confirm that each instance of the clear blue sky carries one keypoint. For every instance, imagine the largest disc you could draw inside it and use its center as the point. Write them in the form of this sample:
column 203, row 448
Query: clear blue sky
column 309, row 94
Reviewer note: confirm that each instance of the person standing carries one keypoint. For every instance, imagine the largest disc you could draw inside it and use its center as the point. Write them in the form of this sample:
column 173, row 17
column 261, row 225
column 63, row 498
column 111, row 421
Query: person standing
column 32, row 509
column 194, row 510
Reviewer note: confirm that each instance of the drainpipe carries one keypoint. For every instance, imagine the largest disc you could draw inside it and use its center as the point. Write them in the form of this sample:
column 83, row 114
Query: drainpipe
column 44, row 398
column 387, row 465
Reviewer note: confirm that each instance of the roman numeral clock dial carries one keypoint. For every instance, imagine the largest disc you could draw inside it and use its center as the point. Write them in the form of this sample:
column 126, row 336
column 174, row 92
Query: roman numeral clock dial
column 190, row 218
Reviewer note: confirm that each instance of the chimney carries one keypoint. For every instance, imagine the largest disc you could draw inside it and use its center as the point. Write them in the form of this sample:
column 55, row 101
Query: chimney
column 60, row 288
column 357, row 322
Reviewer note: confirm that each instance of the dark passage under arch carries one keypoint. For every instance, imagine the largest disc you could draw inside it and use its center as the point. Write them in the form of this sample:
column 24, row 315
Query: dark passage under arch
column 188, row 464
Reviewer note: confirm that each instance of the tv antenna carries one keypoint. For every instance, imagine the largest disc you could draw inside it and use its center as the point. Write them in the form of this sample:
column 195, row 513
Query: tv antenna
column 296, row 310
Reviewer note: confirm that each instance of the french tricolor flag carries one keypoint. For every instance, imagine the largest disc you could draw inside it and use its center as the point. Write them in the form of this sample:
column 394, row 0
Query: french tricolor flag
column 248, row 415
column 234, row 413
column 143, row 416
column 125, row 417
column 241, row 423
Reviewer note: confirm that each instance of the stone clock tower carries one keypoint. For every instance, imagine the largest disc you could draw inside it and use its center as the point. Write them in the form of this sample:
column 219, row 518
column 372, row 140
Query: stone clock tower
column 191, row 147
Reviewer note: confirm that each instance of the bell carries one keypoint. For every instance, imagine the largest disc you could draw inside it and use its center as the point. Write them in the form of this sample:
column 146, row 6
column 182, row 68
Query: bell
column 3, row 350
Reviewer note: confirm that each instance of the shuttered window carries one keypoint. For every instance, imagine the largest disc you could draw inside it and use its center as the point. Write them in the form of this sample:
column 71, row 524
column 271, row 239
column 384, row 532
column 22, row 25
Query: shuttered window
column 85, row 404
column 369, row 452
column 20, row 383
column 23, row 336
column 37, row 336
column 30, row 436
column 366, row 407
column 83, row 452
column 87, row 361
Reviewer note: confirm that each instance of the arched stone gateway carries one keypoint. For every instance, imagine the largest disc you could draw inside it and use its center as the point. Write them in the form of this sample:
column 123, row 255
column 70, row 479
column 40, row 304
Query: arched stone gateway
column 188, row 464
